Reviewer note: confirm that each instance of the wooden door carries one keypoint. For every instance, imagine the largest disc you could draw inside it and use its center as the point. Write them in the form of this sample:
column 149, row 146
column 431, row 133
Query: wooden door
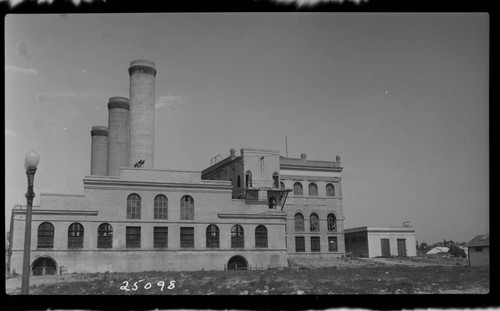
column 402, row 247
column 386, row 247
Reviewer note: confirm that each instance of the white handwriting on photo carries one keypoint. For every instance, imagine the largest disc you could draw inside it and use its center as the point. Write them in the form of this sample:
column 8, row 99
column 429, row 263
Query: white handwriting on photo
column 148, row 285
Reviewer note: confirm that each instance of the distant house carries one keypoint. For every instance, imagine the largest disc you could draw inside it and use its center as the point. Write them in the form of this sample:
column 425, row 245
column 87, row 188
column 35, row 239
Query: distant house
column 381, row 241
column 479, row 250
column 438, row 249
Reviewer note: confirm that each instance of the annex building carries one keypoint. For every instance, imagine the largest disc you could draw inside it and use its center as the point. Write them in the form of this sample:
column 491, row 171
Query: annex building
column 251, row 210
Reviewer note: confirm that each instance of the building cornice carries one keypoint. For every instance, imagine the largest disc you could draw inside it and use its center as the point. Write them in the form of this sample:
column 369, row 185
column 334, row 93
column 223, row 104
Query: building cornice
column 116, row 184
column 58, row 212
column 274, row 215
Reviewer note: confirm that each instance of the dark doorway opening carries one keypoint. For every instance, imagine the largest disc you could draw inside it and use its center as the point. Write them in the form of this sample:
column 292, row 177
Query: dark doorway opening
column 402, row 247
column 44, row 266
column 237, row 263
column 386, row 248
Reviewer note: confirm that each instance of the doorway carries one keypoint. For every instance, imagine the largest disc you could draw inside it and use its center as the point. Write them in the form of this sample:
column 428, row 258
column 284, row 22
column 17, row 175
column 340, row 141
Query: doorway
column 44, row 266
column 402, row 247
column 237, row 263
column 386, row 247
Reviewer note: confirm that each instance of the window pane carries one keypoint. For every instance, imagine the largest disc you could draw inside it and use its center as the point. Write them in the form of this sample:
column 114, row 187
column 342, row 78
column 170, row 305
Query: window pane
column 330, row 190
column 314, row 223
column 299, row 223
column 133, row 238
column 212, row 236
column 160, row 237
column 134, row 206
column 105, row 236
column 313, row 189
column 187, row 208
column 315, row 244
column 332, row 244
column 160, row 207
column 45, row 235
column 332, row 223
column 261, row 236
column 187, row 237
column 300, row 245
column 297, row 189
column 75, row 236
column 237, row 237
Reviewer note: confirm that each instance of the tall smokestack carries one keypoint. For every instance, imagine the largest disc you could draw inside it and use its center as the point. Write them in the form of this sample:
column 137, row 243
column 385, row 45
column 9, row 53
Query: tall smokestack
column 99, row 151
column 142, row 113
column 118, row 134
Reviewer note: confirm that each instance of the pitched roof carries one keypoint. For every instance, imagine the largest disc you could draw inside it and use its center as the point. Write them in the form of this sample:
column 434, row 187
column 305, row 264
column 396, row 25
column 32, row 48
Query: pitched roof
column 479, row 240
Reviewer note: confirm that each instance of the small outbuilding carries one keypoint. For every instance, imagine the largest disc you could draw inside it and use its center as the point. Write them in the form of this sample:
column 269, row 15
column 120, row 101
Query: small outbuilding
column 479, row 250
column 438, row 250
column 381, row 241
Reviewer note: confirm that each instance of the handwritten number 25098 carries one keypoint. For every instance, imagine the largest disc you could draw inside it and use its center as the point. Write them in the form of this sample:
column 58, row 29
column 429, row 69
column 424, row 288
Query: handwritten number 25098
column 147, row 285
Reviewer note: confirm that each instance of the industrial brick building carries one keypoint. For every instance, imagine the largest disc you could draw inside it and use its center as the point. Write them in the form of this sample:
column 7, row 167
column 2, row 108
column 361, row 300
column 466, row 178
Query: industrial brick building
column 247, row 211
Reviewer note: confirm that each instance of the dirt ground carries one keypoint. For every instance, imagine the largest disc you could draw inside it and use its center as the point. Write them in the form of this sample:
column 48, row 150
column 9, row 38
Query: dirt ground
column 417, row 275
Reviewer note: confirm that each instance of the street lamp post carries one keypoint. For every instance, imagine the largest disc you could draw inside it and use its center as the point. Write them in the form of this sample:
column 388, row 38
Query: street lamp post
column 30, row 163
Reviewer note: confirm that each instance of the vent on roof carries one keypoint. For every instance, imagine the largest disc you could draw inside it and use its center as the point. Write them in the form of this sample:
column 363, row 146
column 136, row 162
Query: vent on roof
column 484, row 237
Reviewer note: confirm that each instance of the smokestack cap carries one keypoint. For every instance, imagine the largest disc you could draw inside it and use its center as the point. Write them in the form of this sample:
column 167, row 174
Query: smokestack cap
column 119, row 102
column 303, row 156
column 142, row 66
column 99, row 130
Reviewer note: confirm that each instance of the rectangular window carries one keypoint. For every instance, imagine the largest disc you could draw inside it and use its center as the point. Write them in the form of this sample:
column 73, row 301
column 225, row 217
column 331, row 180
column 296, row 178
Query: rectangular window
column 332, row 244
column 160, row 237
column 300, row 244
column 187, row 237
column 315, row 244
column 478, row 248
column 133, row 237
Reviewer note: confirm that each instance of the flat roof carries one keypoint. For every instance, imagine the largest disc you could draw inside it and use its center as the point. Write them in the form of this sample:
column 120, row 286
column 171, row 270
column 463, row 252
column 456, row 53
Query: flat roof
column 379, row 229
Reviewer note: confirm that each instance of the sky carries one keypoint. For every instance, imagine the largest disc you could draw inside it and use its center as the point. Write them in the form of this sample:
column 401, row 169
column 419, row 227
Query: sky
column 401, row 97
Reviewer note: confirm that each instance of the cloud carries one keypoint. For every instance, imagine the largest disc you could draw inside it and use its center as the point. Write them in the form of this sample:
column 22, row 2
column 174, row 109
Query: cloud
column 43, row 97
column 168, row 101
column 10, row 133
column 21, row 70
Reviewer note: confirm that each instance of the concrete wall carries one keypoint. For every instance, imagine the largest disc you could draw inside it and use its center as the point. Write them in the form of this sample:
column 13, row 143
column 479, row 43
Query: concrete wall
column 375, row 248
column 99, row 150
column 118, row 134
column 142, row 112
column 479, row 258
column 357, row 244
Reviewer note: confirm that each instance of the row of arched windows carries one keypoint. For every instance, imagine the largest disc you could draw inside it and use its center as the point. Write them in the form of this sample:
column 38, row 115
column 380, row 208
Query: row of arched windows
column 313, row 189
column 75, row 235
column 134, row 203
column 331, row 222
column 105, row 236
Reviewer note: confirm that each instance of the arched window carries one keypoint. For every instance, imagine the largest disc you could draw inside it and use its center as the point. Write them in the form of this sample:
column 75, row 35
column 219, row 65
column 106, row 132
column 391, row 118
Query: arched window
column 105, row 236
column 331, row 221
column 75, row 235
column 237, row 237
column 212, row 236
column 261, row 236
column 248, row 179
column 314, row 223
column 238, row 181
column 330, row 190
column 134, row 206
column 276, row 180
column 161, row 207
column 187, row 208
column 297, row 188
column 313, row 189
column 299, row 222
column 282, row 185
column 272, row 202
column 45, row 235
